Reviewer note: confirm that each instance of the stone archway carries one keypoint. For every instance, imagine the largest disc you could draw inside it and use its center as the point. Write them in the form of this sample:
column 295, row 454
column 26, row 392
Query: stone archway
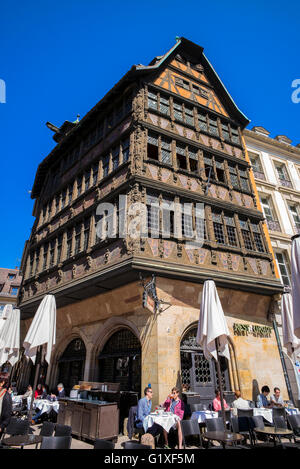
column 71, row 364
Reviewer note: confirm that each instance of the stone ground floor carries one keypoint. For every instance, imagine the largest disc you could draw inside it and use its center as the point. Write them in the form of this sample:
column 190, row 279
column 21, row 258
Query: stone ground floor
column 113, row 338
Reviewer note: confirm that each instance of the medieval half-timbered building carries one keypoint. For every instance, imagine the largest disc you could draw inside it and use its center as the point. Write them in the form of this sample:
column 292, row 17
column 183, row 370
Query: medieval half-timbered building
column 165, row 143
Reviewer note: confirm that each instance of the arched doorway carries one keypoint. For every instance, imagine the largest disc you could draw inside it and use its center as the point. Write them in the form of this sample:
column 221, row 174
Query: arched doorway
column 198, row 374
column 120, row 361
column 71, row 364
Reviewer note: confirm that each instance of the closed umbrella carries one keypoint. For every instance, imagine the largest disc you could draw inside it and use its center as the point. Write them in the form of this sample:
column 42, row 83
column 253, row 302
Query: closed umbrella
column 10, row 338
column 290, row 341
column 213, row 333
column 295, row 263
column 41, row 333
column 5, row 312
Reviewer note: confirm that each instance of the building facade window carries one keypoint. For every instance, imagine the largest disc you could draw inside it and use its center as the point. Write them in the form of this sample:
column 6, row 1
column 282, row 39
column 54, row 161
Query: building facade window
column 257, row 166
column 295, row 214
column 284, row 268
column 283, row 175
column 270, row 214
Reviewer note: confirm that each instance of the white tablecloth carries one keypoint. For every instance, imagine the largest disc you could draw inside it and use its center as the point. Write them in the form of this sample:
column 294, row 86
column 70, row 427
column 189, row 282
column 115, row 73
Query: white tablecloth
column 265, row 413
column 202, row 415
column 167, row 420
column 44, row 405
column 16, row 400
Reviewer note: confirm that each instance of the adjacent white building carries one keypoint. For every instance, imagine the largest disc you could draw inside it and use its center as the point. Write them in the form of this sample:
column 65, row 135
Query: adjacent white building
column 276, row 167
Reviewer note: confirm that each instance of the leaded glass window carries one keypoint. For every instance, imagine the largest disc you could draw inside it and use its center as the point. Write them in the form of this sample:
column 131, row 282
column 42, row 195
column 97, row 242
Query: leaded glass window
column 233, row 175
column 225, row 131
column 231, row 231
column 115, row 157
column 213, row 126
column 189, row 115
column 166, row 151
column 152, row 148
column 246, row 234
column 218, row 227
column 152, row 100
column 235, row 138
column 178, row 111
column 202, row 121
column 105, row 161
column 125, row 149
column 164, row 105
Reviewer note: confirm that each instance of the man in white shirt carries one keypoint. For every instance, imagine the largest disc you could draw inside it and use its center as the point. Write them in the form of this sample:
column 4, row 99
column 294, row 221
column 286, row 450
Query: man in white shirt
column 239, row 403
column 276, row 399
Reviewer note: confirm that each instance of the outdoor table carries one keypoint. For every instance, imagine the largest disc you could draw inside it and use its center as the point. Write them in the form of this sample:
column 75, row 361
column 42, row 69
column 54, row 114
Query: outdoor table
column 166, row 419
column 17, row 400
column 274, row 432
column 22, row 440
column 292, row 410
column 223, row 437
column 202, row 415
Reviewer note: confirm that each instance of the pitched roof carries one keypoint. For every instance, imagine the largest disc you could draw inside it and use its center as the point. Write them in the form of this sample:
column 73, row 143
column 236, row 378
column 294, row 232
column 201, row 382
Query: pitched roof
column 182, row 45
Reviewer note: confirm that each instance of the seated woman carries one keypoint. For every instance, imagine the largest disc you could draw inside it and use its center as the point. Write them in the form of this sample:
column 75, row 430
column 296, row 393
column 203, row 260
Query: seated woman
column 38, row 392
column 176, row 406
column 217, row 402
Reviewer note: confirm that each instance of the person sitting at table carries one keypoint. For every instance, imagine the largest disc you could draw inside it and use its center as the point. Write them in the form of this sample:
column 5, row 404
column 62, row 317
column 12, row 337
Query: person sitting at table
column 276, row 399
column 51, row 398
column 217, row 402
column 262, row 400
column 175, row 405
column 28, row 393
column 5, row 405
column 143, row 410
column 38, row 392
column 239, row 403
column 45, row 391
column 61, row 391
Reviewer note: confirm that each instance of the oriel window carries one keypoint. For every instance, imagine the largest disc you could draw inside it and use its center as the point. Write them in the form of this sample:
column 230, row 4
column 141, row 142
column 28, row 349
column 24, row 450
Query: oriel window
column 105, row 165
column 246, row 234
column 164, row 105
column 125, row 149
column 218, row 227
column 178, row 111
column 152, row 148
column 166, row 156
column 181, row 156
column 115, row 157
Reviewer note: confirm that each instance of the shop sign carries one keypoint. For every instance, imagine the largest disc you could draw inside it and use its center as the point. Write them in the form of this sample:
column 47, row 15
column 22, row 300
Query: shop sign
column 251, row 329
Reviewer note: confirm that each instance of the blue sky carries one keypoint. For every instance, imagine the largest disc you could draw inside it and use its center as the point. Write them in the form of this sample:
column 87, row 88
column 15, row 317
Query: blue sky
column 59, row 58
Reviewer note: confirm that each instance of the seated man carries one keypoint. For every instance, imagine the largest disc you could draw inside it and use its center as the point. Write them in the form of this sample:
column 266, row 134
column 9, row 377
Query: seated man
column 28, row 393
column 61, row 391
column 262, row 400
column 144, row 409
column 239, row 403
column 276, row 399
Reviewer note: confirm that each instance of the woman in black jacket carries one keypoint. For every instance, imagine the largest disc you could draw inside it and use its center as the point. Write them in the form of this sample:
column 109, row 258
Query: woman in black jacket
column 5, row 405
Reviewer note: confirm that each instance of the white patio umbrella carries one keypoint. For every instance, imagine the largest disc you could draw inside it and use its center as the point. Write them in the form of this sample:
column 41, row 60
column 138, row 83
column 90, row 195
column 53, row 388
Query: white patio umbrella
column 213, row 333
column 41, row 333
column 42, row 330
column 6, row 310
column 10, row 338
column 290, row 341
column 295, row 262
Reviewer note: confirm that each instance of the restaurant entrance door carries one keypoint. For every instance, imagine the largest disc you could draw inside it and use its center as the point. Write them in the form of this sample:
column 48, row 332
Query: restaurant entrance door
column 198, row 374
column 71, row 365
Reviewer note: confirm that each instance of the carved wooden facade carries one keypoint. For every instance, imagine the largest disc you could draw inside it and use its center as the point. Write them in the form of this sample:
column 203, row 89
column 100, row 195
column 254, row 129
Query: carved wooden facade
column 159, row 133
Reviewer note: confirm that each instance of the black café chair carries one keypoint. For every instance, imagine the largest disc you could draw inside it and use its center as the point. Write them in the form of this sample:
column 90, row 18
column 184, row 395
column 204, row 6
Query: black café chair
column 258, row 422
column 196, row 407
column 134, row 445
column 62, row 430
column 294, row 423
column 227, row 416
column 278, row 412
column 17, row 427
column 242, row 425
column 56, row 442
column 215, row 425
column 245, row 412
column 131, row 428
column 47, row 429
column 103, row 444
column 190, row 428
